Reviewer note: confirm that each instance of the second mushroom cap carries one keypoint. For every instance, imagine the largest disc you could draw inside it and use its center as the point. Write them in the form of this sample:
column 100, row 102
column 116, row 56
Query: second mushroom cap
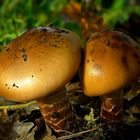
column 112, row 61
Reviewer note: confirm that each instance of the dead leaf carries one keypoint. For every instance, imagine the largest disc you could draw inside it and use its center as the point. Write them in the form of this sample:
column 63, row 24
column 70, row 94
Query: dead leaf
column 130, row 119
column 22, row 129
column 48, row 135
column 133, row 92
column 134, row 109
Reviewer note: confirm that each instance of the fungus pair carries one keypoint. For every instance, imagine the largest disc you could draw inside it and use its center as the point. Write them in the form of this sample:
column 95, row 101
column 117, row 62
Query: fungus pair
column 39, row 63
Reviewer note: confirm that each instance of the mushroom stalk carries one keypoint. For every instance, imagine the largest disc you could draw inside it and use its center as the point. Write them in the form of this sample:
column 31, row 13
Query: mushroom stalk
column 56, row 110
column 36, row 65
column 111, row 106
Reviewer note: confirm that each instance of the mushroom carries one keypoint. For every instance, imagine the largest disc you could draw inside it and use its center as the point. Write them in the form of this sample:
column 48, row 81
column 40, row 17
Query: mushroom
column 112, row 62
column 36, row 66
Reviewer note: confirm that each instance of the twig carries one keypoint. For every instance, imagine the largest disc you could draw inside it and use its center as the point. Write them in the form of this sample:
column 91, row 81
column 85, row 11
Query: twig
column 79, row 133
column 18, row 105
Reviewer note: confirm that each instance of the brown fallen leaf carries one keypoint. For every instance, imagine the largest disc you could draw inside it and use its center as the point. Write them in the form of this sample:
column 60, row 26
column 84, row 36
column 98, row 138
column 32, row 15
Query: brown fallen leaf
column 88, row 21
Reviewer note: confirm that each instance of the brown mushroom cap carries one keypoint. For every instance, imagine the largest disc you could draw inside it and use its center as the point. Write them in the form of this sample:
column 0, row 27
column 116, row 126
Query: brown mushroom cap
column 112, row 61
column 38, row 63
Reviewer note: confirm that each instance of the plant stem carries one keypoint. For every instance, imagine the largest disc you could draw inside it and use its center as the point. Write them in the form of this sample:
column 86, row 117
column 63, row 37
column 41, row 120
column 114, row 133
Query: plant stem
column 17, row 106
column 79, row 133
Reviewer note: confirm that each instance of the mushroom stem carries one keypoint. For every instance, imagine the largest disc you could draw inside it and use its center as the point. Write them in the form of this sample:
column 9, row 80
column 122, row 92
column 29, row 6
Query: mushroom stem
column 56, row 110
column 111, row 107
